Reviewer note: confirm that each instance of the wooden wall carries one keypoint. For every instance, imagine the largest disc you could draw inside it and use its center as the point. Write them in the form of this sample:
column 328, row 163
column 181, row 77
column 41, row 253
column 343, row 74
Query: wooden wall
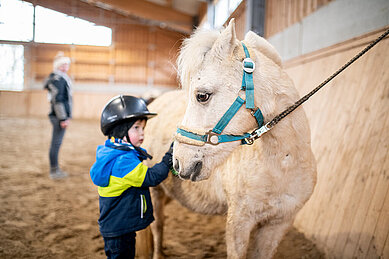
column 140, row 54
column 86, row 105
column 280, row 14
column 348, row 214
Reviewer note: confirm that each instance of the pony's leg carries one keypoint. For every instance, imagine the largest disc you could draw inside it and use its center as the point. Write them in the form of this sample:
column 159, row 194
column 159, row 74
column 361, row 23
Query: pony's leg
column 266, row 238
column 159, row 199
column 238, row 229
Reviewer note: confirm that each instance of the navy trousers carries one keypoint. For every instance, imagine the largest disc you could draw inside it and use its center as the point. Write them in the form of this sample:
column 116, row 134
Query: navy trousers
column 121, row 247
column 56, row 141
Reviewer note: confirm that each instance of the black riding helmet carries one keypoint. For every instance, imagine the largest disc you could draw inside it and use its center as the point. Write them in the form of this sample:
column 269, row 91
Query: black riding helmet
column 120, row 109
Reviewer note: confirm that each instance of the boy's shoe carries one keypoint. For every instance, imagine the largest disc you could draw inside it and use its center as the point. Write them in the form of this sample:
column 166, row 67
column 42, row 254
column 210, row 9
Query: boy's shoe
column 56, row 173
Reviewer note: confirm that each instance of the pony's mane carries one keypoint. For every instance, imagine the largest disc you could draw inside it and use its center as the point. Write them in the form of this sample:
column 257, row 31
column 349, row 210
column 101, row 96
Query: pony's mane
column 193, row 52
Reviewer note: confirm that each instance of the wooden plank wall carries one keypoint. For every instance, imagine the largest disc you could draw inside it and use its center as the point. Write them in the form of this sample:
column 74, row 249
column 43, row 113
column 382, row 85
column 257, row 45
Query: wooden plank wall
column 86, row 105
column 140, row 54
column 348, row 214
column 280, row 14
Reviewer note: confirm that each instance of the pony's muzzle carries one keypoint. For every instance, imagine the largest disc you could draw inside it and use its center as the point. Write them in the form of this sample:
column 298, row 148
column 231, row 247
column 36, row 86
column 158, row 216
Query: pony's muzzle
column 192, row 172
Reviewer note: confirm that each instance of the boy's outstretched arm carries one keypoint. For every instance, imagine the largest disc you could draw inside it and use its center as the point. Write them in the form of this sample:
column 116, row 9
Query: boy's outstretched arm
column 159, row 172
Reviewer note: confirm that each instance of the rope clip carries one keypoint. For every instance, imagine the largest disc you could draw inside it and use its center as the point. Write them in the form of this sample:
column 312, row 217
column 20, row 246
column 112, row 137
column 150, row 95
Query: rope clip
column 256, row 134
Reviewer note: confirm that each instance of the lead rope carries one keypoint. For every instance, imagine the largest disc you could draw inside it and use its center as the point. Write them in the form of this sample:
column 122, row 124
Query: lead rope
column 256, row 134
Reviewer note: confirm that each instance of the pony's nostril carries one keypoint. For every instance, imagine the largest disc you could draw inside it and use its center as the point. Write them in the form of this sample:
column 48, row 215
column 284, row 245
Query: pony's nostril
column 185, row 176
column 196, row 170
column 198, row 167
column 176, row 165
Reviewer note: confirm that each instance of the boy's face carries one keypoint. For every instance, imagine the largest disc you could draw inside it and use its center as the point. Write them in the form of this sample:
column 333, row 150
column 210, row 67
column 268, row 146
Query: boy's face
column 136, row 133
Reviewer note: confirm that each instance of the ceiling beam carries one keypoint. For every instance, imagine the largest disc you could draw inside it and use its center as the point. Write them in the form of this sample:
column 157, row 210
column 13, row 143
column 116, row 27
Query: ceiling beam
column 165, row 16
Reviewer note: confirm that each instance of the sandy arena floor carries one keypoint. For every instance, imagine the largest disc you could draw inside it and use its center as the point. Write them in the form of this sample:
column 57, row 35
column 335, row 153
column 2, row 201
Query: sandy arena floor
column 42, row 218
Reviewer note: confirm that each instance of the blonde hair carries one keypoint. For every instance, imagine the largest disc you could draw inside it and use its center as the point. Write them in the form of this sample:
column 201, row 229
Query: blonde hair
column 60, row 59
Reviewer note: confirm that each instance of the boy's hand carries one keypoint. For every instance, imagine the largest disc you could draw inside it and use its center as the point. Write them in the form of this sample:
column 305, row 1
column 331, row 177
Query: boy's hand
column 171, row 148
column 170, row 151
column 167, row 158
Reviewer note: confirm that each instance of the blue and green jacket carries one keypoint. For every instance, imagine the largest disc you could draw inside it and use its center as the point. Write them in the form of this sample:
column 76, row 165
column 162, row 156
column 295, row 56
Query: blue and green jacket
column 123, row 184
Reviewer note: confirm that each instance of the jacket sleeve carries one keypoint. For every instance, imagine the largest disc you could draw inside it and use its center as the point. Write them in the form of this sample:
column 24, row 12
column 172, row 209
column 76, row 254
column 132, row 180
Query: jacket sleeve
column 159, row 172
column 129, row 171
column 57, row 87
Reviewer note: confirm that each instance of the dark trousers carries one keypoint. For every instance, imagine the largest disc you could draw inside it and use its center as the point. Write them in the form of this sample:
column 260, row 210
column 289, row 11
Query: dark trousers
column 56, row 141
column 121, row 247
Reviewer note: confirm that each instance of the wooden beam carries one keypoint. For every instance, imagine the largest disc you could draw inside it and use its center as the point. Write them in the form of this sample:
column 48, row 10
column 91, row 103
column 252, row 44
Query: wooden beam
column 106, row 15
column 169, row 3
column 81, row 10
column 164, row 15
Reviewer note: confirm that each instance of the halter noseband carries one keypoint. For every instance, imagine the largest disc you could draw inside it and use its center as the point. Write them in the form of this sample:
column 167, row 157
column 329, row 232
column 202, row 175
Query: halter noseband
column 214, row 136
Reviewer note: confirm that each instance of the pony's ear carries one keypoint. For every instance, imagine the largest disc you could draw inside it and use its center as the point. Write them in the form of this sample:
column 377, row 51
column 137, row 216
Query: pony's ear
column 226, row 42
column 263, row 46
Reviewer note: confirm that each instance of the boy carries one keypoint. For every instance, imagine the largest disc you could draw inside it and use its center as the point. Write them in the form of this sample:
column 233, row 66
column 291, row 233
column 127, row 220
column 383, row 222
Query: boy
column 124, row 197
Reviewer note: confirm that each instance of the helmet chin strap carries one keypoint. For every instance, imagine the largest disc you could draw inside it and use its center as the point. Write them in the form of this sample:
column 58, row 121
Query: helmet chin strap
column 143, row 152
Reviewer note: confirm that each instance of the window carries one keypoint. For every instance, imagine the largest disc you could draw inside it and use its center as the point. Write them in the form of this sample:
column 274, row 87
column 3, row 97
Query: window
column 223, row 10
column 11, row 67
column 17, row 24
column 56, row 27
column 16, row 20
column 232, row 5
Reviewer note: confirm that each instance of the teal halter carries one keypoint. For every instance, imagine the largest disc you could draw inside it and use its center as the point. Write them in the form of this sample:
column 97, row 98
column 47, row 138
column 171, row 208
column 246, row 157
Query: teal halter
column 214, row 136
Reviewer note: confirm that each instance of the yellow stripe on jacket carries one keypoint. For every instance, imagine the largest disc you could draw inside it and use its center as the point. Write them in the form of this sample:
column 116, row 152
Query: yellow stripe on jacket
column 118, row 185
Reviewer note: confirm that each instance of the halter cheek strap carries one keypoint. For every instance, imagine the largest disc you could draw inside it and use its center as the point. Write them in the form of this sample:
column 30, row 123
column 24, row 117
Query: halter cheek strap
column 214, row 136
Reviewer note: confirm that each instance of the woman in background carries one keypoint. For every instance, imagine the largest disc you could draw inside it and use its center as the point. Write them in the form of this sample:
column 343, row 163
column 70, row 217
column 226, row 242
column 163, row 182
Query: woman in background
column 59, row 87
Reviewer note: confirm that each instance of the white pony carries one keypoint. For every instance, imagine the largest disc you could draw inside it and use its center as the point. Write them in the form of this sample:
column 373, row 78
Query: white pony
column 260, row 187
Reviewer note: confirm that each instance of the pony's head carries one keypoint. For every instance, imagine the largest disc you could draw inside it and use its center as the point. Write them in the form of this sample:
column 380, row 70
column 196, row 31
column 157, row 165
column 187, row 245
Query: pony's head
column 210, row 71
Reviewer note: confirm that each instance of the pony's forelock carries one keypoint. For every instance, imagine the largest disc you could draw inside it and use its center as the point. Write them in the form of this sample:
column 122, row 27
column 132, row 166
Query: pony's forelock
column 192, row 54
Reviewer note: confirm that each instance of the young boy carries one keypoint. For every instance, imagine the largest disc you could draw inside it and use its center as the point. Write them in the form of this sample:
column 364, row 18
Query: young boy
column 124, row 197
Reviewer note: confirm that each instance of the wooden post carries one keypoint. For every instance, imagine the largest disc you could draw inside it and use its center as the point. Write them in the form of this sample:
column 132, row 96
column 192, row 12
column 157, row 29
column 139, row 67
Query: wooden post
column 144, row 244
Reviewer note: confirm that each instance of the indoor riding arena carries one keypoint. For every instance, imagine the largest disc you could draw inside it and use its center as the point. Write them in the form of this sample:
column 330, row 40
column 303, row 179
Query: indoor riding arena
column 119, row 47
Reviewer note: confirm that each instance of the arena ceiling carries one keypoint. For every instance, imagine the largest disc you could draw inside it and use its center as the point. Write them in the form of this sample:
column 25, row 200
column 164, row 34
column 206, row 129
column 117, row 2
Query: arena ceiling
column 180, row 15
column 175, row 15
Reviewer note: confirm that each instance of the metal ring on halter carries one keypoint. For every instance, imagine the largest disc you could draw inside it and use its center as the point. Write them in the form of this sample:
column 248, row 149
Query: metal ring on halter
column 211, row 138
column 248, row 69
column 249, row 141
column 243, row 95
column 253, row 111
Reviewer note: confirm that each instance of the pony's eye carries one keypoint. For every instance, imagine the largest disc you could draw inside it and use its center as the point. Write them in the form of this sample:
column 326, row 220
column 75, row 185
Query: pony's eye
column 202, row 97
